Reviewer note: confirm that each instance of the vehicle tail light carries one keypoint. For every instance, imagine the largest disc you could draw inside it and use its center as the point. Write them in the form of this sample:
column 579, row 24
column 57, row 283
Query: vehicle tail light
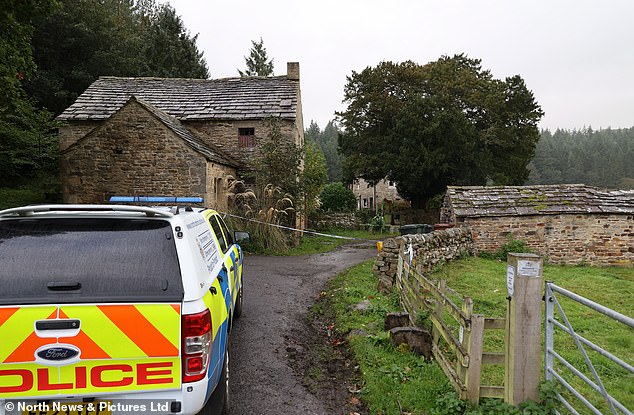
column 196, row 329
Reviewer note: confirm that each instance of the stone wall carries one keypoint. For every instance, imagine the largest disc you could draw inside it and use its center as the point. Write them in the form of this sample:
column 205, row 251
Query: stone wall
column 133, row 154
column 71, row 133
column 335, row 220
column 592, row 239
column 217, row 180
column 428, row 249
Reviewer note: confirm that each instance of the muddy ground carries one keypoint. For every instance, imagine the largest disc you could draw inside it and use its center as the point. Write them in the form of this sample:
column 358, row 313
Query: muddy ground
column 284, row 360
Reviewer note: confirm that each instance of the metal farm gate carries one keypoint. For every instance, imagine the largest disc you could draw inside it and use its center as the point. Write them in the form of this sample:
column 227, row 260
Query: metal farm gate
column 556, row 365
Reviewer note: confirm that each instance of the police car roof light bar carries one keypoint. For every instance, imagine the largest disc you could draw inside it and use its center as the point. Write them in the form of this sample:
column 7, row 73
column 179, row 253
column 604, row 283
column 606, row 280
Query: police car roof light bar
column 156, row 199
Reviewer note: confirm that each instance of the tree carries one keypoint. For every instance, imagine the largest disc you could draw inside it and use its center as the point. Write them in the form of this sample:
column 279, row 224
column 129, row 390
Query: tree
column 28, row 148
column 170, row 50
column 594, row 157
column 258, row 63
column 443, row 123
column 335, row 197
column 327, row 141
column 83, row 40
column 312, row 178
column 279, row 161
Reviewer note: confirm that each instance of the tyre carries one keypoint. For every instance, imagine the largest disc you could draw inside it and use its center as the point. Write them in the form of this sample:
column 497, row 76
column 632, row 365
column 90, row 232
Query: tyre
column 218, row 403
column 237, row 310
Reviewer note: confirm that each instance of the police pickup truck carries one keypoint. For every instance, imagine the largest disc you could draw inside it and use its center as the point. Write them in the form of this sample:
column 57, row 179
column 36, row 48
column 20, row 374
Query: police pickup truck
column 109, row 309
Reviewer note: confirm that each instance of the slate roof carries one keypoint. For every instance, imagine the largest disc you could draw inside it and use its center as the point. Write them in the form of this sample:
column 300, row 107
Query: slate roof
column 478, row 201
column 191, row 140
column 191, row 99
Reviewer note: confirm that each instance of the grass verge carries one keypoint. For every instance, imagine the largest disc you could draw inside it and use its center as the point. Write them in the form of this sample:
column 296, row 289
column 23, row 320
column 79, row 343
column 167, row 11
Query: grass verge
column 20, row 197
column 395, row 381
column 315, row 244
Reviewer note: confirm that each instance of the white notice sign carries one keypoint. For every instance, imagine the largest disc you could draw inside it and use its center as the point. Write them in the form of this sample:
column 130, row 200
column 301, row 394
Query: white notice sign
column 528, row 268
column 510, row 279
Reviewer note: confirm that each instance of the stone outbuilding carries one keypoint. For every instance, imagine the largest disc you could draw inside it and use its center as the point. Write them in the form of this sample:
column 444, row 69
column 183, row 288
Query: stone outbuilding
column 170, row 136
column 567, row 224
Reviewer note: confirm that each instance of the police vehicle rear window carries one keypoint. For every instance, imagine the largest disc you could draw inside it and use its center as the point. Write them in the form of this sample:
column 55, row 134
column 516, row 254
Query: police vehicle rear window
column 88, row 260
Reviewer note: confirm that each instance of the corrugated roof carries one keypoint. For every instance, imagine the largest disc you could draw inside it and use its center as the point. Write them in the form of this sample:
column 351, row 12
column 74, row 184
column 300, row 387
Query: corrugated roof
column 191, row 99
column 478, row 201
column 191, row 140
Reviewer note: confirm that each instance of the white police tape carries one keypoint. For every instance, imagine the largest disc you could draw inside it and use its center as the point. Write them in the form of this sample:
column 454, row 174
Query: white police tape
column 294, row 229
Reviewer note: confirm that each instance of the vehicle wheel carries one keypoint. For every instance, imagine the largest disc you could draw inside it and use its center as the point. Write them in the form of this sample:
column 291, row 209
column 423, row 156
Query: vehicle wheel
column 237, row 310
column 218, row 403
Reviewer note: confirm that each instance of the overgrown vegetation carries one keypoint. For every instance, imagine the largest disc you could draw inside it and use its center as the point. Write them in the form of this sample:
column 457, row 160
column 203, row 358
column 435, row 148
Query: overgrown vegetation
column 513, row 245
column 450, row 404
column 395, row 381
column 335, row 197
column 261, row 216
column 280, row 192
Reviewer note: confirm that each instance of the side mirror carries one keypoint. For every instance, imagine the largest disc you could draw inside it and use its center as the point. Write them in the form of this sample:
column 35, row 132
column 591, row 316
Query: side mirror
column 241, row 236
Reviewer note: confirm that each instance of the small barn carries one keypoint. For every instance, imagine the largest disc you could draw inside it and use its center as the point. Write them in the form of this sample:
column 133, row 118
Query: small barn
column 567, row 224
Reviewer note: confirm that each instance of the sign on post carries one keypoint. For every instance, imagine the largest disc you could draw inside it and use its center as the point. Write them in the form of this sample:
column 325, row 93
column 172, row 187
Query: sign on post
column 524, row 283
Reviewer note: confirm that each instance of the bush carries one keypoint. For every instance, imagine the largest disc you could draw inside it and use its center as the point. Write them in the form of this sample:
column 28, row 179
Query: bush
column 450, row 404
column 20, row 197
column 335, row 197
column 513, row 245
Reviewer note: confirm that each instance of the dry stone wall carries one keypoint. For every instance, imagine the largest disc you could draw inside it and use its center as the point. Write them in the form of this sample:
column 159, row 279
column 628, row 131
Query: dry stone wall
column 428, row 250
column 335, row 221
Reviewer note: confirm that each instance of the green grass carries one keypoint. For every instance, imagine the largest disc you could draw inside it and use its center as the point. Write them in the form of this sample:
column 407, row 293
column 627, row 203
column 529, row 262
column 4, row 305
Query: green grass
column 395, row 381
column 19, row 197
column 485, row 281
column 314, row 244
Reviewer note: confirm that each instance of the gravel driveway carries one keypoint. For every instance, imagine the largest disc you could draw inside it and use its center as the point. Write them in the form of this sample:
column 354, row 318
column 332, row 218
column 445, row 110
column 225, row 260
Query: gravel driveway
column 278, row 292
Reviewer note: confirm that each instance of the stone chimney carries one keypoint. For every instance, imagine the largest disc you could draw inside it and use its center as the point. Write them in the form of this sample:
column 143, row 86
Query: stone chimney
column 292, row 71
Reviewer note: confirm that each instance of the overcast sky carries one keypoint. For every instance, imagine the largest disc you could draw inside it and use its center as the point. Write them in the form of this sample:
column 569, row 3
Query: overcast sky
column 577, row 56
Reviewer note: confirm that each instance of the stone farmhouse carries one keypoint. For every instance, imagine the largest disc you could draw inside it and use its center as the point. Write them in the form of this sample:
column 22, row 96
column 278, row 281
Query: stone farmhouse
column 372, row 197
column 567, row 224
column 167, row 136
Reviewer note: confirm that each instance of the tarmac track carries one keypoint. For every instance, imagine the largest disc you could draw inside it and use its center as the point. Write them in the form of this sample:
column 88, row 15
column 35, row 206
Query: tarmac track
column 278, row 292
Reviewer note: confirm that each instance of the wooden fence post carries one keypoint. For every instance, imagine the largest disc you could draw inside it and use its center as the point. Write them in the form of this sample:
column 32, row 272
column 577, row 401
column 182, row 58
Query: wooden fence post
column 523, row 334
column 474, row 348
column 464, row 337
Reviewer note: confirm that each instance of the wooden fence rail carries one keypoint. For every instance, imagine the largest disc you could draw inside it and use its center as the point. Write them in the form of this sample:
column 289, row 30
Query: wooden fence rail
column 460, row 356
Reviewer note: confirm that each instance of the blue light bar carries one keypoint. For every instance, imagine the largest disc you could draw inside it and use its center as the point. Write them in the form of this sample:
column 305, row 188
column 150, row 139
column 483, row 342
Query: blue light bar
column 155, row 199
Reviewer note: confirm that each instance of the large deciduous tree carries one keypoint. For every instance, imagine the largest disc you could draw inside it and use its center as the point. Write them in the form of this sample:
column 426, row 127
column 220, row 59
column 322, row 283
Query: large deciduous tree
column 258, row 62
column 448, row 122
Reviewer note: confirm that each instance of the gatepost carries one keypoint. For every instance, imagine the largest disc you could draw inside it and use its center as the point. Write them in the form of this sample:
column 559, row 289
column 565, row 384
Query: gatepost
column 524, row 283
